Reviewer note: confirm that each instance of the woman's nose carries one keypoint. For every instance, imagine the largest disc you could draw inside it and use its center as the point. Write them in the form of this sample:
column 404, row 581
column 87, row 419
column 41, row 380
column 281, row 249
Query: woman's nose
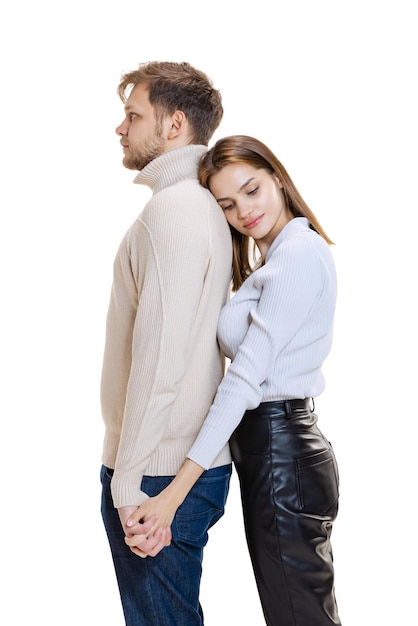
column 244, row 211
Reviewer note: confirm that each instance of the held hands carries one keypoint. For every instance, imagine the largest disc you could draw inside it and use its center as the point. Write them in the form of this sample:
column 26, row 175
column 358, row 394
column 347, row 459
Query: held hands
column 147, row 527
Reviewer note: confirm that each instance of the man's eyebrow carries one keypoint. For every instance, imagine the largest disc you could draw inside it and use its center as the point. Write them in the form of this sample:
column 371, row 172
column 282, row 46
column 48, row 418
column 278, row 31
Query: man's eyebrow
column 247, row 182
column 131, row 107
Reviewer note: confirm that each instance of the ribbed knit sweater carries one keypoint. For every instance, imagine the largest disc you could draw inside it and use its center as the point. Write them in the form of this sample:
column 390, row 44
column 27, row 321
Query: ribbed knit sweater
column 277, row 331
column 162, row 362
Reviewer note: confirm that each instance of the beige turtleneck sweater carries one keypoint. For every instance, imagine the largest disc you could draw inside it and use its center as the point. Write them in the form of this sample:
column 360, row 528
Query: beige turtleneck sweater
column 162, row 363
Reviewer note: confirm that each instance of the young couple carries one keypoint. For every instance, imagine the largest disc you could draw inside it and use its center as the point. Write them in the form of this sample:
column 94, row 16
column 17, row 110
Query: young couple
column 174, row 419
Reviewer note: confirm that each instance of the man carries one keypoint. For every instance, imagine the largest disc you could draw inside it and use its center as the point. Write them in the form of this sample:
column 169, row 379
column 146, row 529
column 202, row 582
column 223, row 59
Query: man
column 162, row 363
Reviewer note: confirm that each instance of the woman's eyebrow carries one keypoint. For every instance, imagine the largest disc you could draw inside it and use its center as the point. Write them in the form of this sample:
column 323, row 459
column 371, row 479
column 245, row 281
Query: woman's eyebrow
column 247, row 182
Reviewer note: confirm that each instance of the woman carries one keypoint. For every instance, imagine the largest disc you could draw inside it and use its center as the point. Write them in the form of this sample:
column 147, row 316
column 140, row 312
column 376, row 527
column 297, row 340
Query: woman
column 277, row 331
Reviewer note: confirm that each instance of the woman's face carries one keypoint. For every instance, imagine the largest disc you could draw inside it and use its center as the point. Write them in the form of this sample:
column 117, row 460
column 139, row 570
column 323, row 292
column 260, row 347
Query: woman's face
column 252, row 200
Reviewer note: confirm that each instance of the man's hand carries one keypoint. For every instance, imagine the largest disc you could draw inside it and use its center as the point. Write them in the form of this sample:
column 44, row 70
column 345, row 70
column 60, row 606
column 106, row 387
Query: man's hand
column 147, row 527
column 150, row 545
column 145, row 538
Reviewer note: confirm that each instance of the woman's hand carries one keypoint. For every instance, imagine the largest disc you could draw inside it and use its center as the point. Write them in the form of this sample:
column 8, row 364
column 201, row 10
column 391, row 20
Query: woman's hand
column 148, row 527
column 162, row 507
column 147, row 534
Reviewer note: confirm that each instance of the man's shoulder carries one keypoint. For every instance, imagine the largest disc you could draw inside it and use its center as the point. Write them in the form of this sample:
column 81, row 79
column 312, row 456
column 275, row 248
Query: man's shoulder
column 189, row 186
column 186, row 197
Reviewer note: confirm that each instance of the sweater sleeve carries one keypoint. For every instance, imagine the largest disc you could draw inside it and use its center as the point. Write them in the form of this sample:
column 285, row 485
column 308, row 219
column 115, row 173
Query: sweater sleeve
column 284, row 291
column 168, row 261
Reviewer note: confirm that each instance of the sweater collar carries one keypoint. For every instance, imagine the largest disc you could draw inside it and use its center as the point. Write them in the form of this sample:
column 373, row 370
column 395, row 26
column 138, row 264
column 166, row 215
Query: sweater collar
column 170, row 167
column 296, row 225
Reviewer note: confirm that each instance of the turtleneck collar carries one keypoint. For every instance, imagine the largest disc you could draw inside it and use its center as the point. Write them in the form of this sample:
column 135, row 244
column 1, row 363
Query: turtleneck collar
column 170, row 167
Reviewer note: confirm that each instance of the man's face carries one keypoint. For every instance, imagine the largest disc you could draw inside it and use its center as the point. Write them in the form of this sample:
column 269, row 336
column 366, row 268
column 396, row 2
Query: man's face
column 141, row 133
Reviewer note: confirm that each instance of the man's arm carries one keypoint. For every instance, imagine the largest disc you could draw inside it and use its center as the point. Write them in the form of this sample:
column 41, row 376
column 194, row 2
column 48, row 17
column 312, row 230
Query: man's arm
column 169, row 295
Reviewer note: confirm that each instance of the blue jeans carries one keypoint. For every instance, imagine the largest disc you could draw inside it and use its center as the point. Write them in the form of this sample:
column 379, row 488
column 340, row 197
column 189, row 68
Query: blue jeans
column 164, row 590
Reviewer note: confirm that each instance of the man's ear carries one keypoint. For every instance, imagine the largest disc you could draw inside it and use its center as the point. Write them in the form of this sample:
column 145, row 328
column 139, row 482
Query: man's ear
column 178, row 125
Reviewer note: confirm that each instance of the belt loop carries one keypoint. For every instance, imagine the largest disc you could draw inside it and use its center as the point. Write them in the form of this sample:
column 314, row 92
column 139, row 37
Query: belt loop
column 288, row 408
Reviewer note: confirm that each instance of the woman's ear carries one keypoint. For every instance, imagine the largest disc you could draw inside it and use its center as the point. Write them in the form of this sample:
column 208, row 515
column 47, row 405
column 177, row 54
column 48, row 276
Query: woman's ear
column 278, row 181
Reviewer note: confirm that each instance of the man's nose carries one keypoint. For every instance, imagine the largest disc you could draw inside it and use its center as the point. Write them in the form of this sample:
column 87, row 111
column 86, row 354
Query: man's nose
column 122, row 129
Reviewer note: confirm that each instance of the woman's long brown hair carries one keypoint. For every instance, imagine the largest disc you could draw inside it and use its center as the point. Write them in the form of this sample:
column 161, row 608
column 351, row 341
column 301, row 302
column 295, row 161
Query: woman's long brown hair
column 245, row 149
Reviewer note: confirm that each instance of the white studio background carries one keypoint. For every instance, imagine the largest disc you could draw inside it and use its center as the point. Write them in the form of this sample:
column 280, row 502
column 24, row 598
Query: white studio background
column 330, row 86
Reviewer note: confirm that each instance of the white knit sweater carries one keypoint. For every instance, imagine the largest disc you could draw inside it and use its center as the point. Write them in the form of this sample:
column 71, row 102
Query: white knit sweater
column 162, row 363
column 277, row 330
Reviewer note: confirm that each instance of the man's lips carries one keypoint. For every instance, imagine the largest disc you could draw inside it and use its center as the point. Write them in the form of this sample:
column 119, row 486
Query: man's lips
column 254, row 222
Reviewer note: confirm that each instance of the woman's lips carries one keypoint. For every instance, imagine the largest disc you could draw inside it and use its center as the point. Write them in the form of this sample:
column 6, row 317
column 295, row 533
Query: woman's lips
column 254, row 222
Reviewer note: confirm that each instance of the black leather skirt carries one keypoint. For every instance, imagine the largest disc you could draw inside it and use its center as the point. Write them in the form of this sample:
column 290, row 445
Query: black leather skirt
column 289, row 489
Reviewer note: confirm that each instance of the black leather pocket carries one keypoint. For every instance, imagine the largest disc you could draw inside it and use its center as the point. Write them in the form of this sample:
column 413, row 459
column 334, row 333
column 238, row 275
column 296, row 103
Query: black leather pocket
column 317, row 483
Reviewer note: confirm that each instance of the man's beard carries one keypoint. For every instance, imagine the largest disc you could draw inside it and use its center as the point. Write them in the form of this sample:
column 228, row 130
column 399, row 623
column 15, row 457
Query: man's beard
column 149, row 151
